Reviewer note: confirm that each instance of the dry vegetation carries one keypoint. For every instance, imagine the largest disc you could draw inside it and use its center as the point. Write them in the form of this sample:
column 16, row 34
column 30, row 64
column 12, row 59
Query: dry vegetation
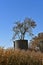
column 20, row 57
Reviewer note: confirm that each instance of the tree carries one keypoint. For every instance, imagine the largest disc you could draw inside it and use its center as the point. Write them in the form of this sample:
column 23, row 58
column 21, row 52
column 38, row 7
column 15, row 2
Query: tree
column 21, row 29
column 40, row 45
column 37, row 42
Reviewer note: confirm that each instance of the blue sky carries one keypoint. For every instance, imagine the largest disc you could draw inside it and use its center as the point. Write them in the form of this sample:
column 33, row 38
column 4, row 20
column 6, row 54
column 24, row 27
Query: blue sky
column 12, row 10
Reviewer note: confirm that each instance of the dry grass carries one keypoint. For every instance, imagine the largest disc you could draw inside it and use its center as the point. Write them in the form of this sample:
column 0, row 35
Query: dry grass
column 20, row 57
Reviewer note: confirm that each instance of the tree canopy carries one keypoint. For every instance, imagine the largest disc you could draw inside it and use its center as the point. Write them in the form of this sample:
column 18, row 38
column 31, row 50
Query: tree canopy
column 21, row 29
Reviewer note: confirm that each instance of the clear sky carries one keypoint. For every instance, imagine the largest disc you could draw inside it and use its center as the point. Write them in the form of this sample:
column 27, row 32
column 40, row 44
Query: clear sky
column 12, row 10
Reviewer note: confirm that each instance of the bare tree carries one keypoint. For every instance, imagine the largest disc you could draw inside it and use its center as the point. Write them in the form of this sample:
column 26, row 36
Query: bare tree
column 21, row 29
